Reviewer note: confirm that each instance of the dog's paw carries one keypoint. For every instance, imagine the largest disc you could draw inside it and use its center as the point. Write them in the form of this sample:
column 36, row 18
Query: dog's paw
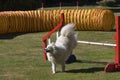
column 53, row 72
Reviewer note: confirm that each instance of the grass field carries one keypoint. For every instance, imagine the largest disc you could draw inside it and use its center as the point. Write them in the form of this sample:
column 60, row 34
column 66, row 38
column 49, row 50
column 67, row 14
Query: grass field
column 21, row 58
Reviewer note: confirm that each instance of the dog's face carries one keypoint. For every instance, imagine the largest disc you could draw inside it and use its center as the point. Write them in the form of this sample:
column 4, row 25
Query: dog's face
column 50, row 48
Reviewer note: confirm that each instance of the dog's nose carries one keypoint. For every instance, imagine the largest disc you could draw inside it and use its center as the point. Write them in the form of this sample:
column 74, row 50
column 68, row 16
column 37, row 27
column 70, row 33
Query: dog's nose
column 47, row 50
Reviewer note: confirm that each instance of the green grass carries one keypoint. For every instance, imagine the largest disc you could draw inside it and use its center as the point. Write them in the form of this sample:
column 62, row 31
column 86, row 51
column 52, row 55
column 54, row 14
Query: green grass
column 21, row 58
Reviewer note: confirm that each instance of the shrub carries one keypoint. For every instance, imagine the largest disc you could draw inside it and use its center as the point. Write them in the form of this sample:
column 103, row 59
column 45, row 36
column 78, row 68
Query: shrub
column 106, row 3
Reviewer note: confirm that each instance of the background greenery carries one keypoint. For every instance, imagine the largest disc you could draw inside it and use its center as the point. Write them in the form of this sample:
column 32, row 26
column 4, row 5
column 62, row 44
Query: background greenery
column 11, row 5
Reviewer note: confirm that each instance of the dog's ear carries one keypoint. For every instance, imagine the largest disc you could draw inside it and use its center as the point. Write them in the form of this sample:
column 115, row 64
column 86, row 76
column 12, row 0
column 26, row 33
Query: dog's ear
column 53, row 44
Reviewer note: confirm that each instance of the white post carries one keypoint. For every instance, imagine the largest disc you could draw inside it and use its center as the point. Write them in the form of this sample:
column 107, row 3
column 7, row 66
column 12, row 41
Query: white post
column 42, row 6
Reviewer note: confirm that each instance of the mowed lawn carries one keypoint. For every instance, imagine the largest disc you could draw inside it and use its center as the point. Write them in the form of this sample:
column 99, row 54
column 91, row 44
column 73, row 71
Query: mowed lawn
column 21, row 58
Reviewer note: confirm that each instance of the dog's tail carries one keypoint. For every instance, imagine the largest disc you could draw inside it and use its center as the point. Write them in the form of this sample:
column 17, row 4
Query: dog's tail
column 68, row 30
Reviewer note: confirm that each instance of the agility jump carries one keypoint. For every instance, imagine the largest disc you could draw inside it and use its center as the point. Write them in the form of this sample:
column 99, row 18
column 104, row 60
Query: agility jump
column 109, row 67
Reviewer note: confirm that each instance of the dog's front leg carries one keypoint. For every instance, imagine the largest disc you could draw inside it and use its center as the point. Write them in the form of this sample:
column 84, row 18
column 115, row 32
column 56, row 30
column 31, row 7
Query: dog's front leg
column 63, row 67
column 53, row 68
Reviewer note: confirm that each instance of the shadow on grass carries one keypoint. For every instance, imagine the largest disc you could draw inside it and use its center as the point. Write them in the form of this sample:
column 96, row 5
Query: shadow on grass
column 91, row 62
column 10, row 35
column 88, row 70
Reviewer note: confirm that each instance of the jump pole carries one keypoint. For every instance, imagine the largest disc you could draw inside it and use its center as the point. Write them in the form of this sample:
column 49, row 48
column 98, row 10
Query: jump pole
column 96, row 43
column 60, row 5
column 77, row 4
column 42, row 5
column 116, row 65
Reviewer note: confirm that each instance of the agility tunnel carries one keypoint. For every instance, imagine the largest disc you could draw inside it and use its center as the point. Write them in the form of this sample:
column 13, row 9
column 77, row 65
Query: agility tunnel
column 45, row 20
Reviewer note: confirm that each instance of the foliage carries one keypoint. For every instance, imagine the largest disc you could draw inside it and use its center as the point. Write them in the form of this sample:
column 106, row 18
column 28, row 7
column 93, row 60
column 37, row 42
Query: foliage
column 109, row 3
column 19, row 4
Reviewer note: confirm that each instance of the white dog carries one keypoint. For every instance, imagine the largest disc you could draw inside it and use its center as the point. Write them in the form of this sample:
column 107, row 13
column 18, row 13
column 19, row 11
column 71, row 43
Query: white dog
column 60, row 51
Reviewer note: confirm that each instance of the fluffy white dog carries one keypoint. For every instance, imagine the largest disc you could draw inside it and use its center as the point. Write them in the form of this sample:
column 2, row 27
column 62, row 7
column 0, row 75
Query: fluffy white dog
column 60, row 51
